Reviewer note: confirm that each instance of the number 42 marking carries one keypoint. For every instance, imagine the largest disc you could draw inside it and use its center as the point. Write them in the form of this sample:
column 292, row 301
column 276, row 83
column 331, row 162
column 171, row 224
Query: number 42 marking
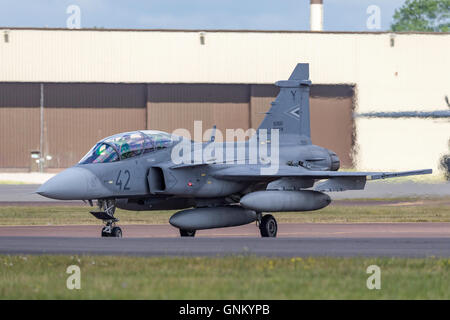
column 119, row 180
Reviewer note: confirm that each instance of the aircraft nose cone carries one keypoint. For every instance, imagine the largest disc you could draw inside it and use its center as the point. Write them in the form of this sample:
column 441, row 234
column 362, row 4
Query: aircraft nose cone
column 71, row 184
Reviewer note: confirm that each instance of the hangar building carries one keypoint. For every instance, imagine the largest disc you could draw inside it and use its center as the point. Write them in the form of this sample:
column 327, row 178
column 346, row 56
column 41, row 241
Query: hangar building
column 62, row 90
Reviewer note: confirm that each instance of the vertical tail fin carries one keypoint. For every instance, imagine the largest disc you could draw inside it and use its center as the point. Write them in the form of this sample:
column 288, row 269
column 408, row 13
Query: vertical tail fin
column 290, row 110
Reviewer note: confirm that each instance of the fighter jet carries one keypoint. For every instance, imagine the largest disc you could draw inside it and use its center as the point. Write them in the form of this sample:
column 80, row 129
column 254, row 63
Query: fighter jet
column 215, row 184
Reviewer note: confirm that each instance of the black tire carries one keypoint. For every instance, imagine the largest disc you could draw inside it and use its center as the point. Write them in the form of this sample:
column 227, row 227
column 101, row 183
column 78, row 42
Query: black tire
column 268, row 226
column 187, row 233
column 116, row 232
column 105, row 234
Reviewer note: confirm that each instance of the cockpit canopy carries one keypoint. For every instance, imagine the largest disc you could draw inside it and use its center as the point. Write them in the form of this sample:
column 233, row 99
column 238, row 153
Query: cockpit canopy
column 127, row 145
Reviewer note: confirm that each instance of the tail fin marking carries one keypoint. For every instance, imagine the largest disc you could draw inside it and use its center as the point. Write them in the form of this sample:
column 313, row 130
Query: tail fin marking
column 289, row 112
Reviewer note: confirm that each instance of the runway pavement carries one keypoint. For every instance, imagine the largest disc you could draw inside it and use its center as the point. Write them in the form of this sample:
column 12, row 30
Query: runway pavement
column 285, row 230
column 22, row 193
column 343, row 240
column 282, row 247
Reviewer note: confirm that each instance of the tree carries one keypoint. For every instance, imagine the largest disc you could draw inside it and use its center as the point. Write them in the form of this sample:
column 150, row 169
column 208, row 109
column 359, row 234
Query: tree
column 423, row 15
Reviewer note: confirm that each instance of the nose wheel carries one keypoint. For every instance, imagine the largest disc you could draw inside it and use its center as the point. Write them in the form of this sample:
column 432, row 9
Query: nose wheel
column 106, row 214
column 268, row 226
column 111, row 231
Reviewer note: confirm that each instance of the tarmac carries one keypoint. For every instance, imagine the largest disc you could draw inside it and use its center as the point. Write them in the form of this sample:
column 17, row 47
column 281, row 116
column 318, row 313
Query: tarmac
column 274, row 247
column 294, row 240
column 309, row 239
column 419, row 230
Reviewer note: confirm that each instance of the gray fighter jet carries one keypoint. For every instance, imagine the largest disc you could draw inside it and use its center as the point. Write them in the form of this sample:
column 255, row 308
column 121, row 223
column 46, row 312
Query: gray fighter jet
column 215, row 184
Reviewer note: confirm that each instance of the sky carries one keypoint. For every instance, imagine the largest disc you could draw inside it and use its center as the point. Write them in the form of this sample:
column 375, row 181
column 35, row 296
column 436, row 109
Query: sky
column 339, row 15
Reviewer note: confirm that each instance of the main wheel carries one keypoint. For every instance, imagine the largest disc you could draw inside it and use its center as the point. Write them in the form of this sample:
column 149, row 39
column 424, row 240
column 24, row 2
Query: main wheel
column 187, row 233
column 268, row 226
column 116, row 232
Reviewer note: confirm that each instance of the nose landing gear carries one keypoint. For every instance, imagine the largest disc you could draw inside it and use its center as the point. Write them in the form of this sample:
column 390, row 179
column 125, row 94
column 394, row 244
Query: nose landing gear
column 111, row 230
column 106, row 213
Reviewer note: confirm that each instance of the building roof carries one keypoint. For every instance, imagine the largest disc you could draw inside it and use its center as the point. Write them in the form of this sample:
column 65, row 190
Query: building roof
column 225, row 30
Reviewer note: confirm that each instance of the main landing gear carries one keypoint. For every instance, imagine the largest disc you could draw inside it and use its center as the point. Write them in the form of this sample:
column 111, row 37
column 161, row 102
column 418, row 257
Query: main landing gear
column 187, row 233
column 268, row 226
column 106, row 213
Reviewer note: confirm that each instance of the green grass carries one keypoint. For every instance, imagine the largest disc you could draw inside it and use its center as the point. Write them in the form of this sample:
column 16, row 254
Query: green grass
column 364, row 214
column 239, row 277
column 12, row 182
column 428, row 211
column 61, row 215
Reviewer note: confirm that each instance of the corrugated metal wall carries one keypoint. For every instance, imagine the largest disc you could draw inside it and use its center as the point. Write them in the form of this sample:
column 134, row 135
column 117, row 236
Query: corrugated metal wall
column 392, row 71
column 71, row 132
column 173, row 106
column 19, row 135
column 77, row 115
column 332, row 126
column 19, row 124
column 95, row 95
column 331, row 108
column 389, row 77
